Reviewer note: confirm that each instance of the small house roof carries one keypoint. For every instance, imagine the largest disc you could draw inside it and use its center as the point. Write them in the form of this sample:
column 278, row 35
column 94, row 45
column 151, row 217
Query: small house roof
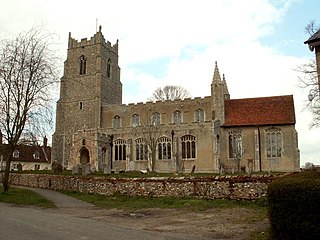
column 28, row 153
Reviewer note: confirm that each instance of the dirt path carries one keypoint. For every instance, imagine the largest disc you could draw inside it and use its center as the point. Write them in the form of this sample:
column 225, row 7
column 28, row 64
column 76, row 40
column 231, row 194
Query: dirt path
column 218, row 223
column 236, row 223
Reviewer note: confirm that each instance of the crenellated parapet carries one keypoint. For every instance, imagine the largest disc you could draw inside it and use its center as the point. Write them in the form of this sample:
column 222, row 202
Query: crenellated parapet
column 97, row 38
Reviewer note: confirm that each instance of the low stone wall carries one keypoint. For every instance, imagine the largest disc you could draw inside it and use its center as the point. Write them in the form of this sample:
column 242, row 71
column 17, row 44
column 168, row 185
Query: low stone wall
column 216, row 187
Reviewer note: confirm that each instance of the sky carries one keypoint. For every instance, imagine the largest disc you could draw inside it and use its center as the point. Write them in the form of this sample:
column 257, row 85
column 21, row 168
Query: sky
column 256, row 43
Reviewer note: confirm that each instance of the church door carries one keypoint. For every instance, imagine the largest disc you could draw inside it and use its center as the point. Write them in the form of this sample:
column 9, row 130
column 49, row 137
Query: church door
column 84, row 156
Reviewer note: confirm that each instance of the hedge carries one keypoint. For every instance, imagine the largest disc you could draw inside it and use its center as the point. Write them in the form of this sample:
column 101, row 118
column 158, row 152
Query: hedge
column 294, row 206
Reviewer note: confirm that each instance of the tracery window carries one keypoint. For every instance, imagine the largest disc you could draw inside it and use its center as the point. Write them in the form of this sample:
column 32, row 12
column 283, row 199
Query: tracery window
column 155, row 119
column 119, row 150
column 274, row 142
column 188, row 146
column 199, row 115
column 164, row 148
column 177, row 117
column 141, row 149
column 235, row 144
column 83, row 65
column 135, row 120
column 116, row 121
column 109, row 68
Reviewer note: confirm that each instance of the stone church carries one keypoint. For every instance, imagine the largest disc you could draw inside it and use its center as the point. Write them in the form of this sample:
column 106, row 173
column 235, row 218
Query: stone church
column 210, row 134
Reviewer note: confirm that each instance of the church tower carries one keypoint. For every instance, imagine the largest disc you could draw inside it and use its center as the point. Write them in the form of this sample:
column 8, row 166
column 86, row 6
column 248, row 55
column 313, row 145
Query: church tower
column 90, row 80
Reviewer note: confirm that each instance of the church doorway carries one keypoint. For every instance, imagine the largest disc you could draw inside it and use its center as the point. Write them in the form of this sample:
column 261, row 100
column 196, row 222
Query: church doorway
column 84, row 156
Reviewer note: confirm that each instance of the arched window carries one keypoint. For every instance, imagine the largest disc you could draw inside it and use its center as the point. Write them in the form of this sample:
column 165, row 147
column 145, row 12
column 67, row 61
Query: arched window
column 155, row 119
column 83, row 65
column 141, row 149
column 120, row 150
column 164, row 148
column 199, row 115
column 116, row 121
column 235, row 144
column 188, row 147
column 135, row 120
column 177, row 117
column 274, row 142
column 109, row 68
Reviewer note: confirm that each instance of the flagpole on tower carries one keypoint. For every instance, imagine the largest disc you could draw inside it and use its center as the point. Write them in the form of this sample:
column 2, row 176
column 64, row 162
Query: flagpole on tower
column 96, row 24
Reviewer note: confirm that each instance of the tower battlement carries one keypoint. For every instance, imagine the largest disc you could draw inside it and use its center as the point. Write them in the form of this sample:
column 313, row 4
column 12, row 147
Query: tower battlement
column 97, row 38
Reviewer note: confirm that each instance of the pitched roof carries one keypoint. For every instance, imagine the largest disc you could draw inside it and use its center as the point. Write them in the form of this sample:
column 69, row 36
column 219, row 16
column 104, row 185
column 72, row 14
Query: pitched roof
column 277, row 110
column 26, row 153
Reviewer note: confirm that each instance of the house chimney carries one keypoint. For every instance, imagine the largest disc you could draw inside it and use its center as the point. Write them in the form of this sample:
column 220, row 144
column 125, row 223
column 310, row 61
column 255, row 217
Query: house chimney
column 45, row 141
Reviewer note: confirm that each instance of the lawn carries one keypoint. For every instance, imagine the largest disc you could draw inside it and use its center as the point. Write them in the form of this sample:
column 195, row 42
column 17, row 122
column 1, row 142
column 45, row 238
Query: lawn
column 24, row 197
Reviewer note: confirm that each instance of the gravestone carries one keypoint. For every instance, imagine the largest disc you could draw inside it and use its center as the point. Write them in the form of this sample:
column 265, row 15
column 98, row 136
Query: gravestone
column 76, row 169
column 86, row 169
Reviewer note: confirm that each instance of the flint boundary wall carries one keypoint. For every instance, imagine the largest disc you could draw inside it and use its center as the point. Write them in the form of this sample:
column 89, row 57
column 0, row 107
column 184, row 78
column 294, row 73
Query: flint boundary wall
column 216, row 187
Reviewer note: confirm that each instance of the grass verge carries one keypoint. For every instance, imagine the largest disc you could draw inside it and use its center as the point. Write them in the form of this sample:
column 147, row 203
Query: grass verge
column 24, row 197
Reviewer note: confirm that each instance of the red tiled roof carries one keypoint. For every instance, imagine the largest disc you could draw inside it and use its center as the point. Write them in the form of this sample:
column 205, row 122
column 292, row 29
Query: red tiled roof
column 277, row 110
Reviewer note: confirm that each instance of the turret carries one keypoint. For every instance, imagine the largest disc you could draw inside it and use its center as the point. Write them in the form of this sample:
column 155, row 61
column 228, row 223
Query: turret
column 219, row 93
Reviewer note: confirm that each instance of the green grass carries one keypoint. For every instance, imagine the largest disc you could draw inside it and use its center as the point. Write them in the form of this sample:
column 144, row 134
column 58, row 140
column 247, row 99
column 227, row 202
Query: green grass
column 119, row 201
column 24, row 197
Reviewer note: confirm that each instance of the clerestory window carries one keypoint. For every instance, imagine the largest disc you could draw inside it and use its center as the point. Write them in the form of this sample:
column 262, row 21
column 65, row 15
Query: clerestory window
column 155, row 119
column 177, row 117
column 116, row 121
column 199, row 115
column 135, row 120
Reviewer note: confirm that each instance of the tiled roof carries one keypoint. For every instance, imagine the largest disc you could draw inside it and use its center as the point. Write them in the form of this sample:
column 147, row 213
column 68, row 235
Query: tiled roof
column 26, row 153
column 277, row 110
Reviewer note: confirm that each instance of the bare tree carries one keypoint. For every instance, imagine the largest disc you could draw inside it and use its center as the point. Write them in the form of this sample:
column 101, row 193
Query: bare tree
column 309, row 166
column 170, row 92
column 308, row 79
column 311, row 28
column 28, row 70
column 152, row 130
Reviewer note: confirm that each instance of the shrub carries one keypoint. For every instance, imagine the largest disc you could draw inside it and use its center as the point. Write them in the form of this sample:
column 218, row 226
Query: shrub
column 294, row 206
